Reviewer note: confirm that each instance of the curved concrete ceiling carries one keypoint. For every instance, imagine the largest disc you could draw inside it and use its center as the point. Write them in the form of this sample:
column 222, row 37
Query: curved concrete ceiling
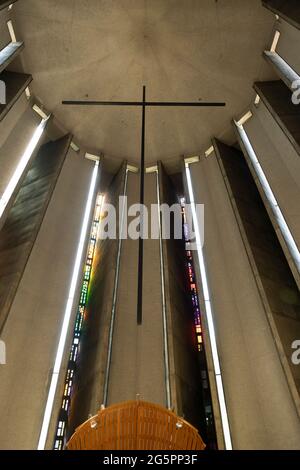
column 185, row 50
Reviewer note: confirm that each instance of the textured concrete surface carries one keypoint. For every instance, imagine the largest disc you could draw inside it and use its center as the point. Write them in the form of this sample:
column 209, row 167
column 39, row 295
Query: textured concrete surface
column 182, row 50
column 261, row 412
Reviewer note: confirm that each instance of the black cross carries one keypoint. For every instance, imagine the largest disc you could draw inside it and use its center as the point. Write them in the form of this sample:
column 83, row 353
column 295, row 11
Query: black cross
column 144, row 104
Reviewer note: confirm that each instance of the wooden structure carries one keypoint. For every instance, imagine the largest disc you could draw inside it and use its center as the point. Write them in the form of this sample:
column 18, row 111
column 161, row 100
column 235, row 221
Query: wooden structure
column 136, row 425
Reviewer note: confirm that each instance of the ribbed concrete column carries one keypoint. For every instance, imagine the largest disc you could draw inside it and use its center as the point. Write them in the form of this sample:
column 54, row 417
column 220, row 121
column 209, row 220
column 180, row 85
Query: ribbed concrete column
column 289, row 10
column 34, row 324
column 24, row 219
column 6, row 3
column 278, row 100
column 261, row 412
column 281, row 166
column 15, row 85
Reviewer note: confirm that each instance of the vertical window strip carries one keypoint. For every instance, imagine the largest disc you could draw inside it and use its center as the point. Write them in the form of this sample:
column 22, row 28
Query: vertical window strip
column 81, row 316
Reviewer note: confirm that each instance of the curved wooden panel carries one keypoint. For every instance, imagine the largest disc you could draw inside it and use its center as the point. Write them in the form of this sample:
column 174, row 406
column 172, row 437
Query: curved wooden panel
column 136, row 425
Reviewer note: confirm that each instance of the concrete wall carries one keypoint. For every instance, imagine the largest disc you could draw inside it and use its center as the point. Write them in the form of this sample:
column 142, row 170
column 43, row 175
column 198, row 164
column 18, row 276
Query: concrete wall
column 32, row 331
column 261, row 412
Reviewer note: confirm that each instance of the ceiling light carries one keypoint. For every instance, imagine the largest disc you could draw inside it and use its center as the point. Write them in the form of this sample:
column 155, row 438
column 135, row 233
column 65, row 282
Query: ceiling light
column 189, row 160
column 275, row 41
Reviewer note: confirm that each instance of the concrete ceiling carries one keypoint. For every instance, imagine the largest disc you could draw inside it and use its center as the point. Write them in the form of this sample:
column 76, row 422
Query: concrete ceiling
column 185, row 50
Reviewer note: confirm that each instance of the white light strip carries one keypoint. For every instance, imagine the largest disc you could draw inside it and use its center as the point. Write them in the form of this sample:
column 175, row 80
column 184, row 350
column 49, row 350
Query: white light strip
column 11, row 31
column 209, row 315
column 291, row 244
column 21, row 166
column 257, row 100
column 68, row 312
column 275, row 41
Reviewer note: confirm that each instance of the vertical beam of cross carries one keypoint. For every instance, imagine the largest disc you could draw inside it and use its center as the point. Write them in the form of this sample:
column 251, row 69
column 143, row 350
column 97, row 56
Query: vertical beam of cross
column 142, row 199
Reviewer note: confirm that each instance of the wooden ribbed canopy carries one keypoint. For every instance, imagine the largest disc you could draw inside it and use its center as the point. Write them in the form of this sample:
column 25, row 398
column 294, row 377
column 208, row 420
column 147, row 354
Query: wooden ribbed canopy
column 136, row 425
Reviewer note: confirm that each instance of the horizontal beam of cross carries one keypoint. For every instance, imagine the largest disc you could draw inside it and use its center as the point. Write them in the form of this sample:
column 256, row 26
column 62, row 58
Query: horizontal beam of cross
column 140, row 103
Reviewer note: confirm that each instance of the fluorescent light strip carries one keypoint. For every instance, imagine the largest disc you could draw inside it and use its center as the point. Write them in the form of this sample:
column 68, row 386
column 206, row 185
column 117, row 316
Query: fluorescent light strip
column 209, row 315
column 21, row 166
column 288, row 237
column 68, row 312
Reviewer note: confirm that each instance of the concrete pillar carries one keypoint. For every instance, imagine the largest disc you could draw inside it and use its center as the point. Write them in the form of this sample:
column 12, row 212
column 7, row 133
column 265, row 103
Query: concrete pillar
column 33, row 327
column 15, row 85
column 282, row 68
column 185, row 375
column 6, row 3
column 261, row 412
column 289, row 10
column 281, row 165
column 24, row 218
